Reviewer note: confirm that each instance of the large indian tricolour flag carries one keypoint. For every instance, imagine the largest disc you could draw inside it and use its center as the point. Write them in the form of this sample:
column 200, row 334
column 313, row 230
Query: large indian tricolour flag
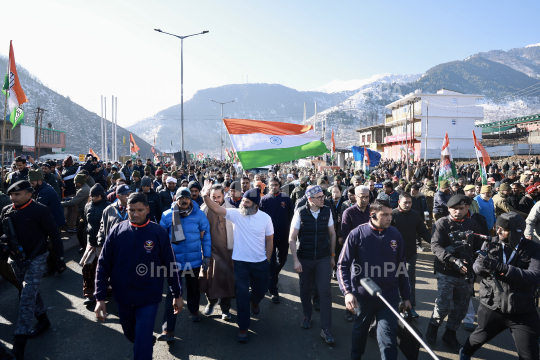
column 15, row 93
column 259, row 143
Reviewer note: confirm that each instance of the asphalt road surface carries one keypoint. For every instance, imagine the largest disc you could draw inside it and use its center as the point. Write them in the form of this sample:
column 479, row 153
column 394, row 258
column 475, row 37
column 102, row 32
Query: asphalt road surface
column 275, row 333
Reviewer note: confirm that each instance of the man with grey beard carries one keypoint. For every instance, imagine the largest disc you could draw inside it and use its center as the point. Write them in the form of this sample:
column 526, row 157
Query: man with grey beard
column 253, row 235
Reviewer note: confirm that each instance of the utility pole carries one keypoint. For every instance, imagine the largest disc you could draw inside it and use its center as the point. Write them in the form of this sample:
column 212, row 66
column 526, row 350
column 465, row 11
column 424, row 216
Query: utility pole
column 102, row 131
column 37, row 131
column 105, row 156
column 425, row 135
column 220, row 126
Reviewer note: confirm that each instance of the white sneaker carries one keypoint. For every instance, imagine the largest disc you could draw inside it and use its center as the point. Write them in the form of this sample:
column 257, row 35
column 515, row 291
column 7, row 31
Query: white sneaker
column 225, row 316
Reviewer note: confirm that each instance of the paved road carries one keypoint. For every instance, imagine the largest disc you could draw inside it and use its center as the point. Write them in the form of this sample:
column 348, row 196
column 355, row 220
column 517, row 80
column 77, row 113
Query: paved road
column 274, row 334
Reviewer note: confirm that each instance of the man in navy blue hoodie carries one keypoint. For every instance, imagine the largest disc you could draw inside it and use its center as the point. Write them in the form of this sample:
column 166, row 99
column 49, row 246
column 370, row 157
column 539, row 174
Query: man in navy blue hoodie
column 375, row 250
column 137, row 255
column 279, row 207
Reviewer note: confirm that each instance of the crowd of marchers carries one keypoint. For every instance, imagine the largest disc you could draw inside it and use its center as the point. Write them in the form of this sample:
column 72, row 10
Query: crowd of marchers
column 225, row 233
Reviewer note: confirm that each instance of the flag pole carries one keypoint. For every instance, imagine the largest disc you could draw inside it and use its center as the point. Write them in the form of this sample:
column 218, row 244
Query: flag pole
column 5, row 114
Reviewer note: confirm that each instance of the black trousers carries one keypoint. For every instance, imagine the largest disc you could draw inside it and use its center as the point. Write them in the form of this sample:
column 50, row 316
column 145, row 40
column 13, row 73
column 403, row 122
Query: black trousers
column 525, row 329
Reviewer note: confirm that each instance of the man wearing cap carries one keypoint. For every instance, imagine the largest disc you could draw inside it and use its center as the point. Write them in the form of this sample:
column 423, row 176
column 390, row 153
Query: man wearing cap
column 440, row 207
column 189, row 232
column 469, row 191
column 500, row 201
column 114, row 213
column 154, row 200
column 136, row 181
column 280, row 209
column 510, row 177
column 527, row 202
column 45, row 195
column 388, row 194
column 300, row 190
column 32, row 223
column 235, row 194
column 429, row 190
column 51, row 179
column 79, row 201
column 167, row 194
column 516, row 195
column 451, row 267
column 401, row 187
column 313, row 226
column 252, row 251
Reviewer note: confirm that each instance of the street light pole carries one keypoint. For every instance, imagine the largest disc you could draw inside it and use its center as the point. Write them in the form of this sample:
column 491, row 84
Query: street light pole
column 182, row 81
column 221, row 126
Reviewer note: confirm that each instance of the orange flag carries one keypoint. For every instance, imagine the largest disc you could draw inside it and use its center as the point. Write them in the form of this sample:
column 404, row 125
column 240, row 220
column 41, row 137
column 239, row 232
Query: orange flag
column 133, row 147
column 333, row 143
column 93, row 153
column 479, row 148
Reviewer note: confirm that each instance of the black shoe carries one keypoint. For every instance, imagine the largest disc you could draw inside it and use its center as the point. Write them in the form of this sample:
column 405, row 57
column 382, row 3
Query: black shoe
column 451, row 340
column 154, row 339
column 48, row 273
column 275, row 299
column 255, row 309
column 414, row 314
column 81, row 250
column 89, row 300
column 348, row 316
column 42, row 325
column 431, row 333
column 317, row 306
column 462, row 356
column 19, row 343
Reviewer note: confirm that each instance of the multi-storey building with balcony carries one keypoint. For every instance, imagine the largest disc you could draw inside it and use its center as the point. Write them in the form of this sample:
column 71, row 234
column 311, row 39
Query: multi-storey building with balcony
column 421, row 121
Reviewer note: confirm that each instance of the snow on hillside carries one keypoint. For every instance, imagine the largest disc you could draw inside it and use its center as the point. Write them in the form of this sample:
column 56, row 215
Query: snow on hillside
column 532, row 45
column 350, row 85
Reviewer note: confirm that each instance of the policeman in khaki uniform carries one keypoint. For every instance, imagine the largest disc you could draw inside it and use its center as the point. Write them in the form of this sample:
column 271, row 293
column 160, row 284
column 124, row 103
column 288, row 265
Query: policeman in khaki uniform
column 451, row 270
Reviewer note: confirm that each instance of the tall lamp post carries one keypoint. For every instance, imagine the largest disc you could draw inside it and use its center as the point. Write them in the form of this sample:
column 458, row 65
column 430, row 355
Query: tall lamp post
column 182, row 80
column 221, row 126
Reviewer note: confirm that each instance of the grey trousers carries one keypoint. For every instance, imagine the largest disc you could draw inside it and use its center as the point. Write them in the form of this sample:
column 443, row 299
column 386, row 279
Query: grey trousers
column 321, row 271
column 31, row 303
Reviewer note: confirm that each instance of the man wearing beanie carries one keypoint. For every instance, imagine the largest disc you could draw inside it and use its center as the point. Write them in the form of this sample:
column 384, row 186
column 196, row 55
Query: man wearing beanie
column 136, row 181
column 157, row 181
column 93, row 212
column 114, row 213
column 51, row 178
column 154, row 201
column 79, row 200
column 148, row 172
column 500, row 200
column 252, row 250
column 440, row 209
column 195, row 189
column 167, row 194
column 527, row 202
column 45, row 195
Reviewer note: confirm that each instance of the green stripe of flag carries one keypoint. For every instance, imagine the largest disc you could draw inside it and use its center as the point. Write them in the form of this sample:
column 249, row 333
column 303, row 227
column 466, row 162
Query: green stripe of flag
column 258, row 158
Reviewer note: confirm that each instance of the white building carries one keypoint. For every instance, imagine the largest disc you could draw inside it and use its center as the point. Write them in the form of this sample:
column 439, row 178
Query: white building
column 434, row 115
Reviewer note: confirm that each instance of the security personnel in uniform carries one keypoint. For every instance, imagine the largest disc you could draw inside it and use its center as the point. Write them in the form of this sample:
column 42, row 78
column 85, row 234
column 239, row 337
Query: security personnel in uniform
column 515, row 262
column 451, row 270
column 32, row 224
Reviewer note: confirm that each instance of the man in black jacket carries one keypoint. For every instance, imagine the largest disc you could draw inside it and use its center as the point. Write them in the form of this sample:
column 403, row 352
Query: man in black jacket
column 32, row 223
column 410, row 224
column 154, row 201
column 511, row 263
column 167, row 194
column 453, row 271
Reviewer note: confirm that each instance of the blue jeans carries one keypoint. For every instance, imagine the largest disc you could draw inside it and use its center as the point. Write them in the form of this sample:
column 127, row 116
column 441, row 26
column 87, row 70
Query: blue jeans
column 387, row 328
column 246, row 274
column 278, row 260
column 138, row 325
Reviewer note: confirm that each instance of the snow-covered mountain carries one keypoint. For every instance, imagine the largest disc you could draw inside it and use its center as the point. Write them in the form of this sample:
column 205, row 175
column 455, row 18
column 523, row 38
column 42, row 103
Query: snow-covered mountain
column 352, row 85
column 525, row 60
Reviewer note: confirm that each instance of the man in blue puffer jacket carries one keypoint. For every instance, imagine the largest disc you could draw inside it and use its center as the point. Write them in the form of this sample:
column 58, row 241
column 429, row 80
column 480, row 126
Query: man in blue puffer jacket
column 189, row 232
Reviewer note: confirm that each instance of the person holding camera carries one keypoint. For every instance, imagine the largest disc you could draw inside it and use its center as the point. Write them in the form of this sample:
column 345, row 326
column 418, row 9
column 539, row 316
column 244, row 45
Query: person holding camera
column 25, row 228
column 453, row 270
column 510, row 271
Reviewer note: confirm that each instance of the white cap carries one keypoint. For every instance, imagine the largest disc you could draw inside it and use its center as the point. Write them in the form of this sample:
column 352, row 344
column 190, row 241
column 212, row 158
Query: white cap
column 171, row 179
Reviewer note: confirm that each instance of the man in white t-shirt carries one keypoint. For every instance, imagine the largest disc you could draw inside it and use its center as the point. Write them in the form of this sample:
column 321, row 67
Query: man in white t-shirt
column 313, row 226
column 253, row 235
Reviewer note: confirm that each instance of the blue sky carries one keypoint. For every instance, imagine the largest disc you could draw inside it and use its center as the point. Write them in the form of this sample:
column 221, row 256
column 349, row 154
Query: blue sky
column 88, row 48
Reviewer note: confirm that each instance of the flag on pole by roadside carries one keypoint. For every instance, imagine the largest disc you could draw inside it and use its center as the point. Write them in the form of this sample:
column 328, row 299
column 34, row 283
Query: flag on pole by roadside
column 15, row 93
column 93, row 153
column 447, row 168
column 333, row 143
column 260, row 143
column 132, row 145
column 366, row 164
column 486, row 160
